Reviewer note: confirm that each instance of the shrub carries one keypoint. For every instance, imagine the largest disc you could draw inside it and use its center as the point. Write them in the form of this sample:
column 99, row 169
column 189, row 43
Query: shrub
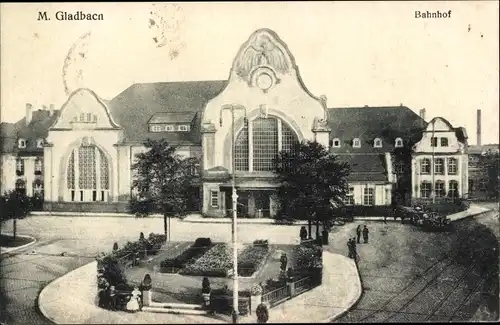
column 112, row 270
column 307, row 256
column 202, row 242
column 256, row 289
column 272, row 284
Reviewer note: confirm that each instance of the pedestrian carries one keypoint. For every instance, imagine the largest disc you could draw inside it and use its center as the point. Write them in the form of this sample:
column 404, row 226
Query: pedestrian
column 112, row 298
column 303, row 233
column 349, row 248
column 358, row 233
column 365, row 234
column 385, row 219
column 354, row 250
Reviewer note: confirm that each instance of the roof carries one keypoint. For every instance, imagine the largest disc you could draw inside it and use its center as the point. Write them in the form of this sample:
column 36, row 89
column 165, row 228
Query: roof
column 173, row 117
column 38, row 128
column 365, row 167
column 133, row 108
column 368, row 123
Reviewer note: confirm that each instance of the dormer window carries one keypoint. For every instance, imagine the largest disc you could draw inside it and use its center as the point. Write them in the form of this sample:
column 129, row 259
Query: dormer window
column 183, row 128
column 336, row 143
column 39, row 143
column 155, row 128
column 377, row 143
column 398, row 143
column 21, row 143
column 356, row 143
column 169, row 128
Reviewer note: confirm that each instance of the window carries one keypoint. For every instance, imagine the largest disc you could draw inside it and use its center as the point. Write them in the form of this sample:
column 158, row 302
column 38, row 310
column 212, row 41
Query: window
column 425, row 189
column 440, row 190
column 214, row 199
column 38, row 188
column 444, row 142
column 336, row 143
column 425, row 166
column 38, row 166
column 268, row 137
column 155, row 128
column 471, row 186
column 349, row 199
column 39, row 143
column 452, row 166
column 356, row 143
column 434, row 142
column 82, row 117
column 94, row 119
column 21, row 143
column 439, row 166
column 377, row 143
column 93, row 174
column 453, row 189
column 19, row 167
column 483, row 184
column 398, row 143
column 183, row 128
column 368, row 196
column 169, row 128
column 195, row 169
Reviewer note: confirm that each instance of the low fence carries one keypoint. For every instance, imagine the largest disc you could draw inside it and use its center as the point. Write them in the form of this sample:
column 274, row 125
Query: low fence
column 289, row 291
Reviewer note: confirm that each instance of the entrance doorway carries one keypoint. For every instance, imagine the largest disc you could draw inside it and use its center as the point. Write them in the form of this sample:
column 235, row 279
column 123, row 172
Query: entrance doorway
column 262, row 204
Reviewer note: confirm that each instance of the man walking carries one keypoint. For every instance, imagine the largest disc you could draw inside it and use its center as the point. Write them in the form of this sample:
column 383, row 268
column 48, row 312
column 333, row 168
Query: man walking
column 365, row 234
column 350, row 248
column 354, row 251
column 358, row 233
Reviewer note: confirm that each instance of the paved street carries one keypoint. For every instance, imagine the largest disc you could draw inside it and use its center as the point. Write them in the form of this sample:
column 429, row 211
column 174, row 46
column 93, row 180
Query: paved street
column 407, row 266
column 412, row 276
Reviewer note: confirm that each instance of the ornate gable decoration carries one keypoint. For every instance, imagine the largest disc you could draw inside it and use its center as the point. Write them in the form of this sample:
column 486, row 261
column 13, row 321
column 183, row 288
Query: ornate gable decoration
column 261, row 58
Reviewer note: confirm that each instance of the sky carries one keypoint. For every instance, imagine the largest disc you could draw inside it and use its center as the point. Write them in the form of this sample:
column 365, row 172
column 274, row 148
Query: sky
column 355, row 53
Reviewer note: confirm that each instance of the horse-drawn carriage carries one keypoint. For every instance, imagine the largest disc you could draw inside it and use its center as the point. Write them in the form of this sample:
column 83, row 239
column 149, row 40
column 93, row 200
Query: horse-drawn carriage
column 420, row 216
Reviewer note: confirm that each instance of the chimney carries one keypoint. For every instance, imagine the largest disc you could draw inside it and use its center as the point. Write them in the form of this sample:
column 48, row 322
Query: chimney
column 422, row 114
column 51, row 109
column 323, row 100
column 29, row 113
column 478, row 139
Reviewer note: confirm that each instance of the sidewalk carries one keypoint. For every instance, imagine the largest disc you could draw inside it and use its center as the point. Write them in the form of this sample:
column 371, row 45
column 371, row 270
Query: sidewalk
column 473, row 210
column 71, row 298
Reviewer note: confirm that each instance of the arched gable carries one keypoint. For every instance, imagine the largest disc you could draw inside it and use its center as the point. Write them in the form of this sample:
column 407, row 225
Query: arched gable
column 439, row 124
column 84, row 110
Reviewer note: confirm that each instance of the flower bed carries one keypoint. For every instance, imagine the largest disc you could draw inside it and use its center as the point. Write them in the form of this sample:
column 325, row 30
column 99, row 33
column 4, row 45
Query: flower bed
column 219, row 260
column 187, row 257
column 215, row 262
column 252, row 258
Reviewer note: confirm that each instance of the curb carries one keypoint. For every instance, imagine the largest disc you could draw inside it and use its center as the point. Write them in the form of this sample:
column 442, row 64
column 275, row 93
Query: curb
column 353, row 304
column 15, row 249
column 240, row 221
column 44, row 291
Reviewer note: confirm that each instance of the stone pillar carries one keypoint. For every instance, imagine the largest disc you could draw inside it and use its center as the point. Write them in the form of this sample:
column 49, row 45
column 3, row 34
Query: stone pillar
column 147, row 296
column 255, row 301
column 321, row 132
column 208, row 145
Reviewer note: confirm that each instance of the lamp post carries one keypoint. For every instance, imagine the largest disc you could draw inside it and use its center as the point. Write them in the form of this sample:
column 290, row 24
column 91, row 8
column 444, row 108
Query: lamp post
column 232, row 108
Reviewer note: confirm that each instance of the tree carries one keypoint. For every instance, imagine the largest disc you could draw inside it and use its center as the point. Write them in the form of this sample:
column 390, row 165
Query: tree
column 14, row 205
column 489, row 162
column 164, row 179
column 313, row 182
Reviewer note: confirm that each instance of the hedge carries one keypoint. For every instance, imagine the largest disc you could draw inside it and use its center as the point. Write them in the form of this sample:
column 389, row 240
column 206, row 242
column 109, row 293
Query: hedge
column 190, row 255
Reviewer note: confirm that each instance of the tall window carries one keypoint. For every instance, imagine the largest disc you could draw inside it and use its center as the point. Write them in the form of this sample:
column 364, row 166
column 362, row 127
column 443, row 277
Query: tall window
column 425, row 166
column 368, row 194
column 483, row 184
column 214, row 199
column 440, row 190
column 88, row 174
column 19, row 167
column 425, row 189
column 439, row 166
column 349, row 199
column 452, row 166
column 453, row 189
column 38, row 188
column 38, row 166
column 268, row 137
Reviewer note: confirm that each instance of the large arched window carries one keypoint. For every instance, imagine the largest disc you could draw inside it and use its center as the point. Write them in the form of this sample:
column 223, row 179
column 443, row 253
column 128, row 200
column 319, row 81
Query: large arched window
column 88, row 174
column 257, row 145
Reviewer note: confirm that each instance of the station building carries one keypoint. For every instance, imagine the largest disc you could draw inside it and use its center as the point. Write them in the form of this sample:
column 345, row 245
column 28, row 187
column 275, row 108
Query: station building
column 79, row 157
